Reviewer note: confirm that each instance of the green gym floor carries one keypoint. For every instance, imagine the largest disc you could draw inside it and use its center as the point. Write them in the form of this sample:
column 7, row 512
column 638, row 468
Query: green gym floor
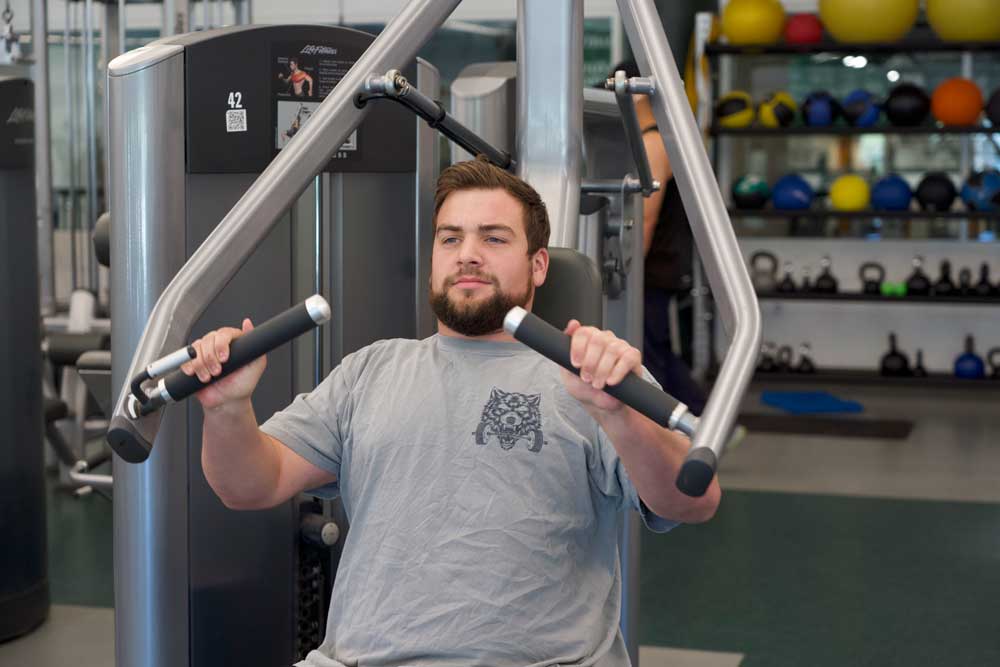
column 827, row 551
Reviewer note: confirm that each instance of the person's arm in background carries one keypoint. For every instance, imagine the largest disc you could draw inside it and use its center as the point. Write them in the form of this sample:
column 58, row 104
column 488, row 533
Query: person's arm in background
column 659, row 166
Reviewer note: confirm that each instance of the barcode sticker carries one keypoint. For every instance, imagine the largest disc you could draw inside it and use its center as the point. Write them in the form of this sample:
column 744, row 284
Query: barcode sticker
column 236, row 120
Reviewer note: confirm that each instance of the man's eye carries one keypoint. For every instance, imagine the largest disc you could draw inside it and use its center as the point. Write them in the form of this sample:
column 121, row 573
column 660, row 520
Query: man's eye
column 494, row 239
column 449, row 240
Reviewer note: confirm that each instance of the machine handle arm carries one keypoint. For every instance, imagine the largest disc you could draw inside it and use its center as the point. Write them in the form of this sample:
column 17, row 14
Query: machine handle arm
column 633, row 391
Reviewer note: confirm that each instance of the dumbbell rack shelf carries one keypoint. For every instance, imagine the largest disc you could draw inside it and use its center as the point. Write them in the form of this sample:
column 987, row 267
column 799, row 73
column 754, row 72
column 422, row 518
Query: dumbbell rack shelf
column 874, row 378
column 885, row 215
column 846, row 130
column 913, row 44
column 879, row 299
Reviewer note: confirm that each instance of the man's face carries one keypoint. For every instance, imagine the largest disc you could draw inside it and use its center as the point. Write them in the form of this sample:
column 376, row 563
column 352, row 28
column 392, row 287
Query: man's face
column 292, row 65
column 480, row 267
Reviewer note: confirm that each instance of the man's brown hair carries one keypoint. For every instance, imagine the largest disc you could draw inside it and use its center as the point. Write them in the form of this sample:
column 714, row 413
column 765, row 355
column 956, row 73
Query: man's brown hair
column 481, row 174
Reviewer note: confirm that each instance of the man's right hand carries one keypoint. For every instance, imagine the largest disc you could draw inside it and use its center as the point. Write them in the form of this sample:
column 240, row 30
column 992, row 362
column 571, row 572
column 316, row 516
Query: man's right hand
column 213, row 351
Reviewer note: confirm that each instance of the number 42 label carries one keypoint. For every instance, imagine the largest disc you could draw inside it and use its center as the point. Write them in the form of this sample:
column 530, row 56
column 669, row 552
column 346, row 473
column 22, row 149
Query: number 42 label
column 236, row 115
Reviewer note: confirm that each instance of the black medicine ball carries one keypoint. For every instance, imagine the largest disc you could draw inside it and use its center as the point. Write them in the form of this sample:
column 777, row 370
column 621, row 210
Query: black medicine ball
column 908, row 105
column 936, row 192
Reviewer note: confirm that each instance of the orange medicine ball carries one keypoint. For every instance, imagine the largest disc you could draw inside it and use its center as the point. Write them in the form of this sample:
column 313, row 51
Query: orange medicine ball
column 957, row 101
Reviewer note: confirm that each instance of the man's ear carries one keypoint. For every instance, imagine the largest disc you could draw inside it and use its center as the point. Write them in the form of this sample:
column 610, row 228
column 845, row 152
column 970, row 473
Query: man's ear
column 539, row 266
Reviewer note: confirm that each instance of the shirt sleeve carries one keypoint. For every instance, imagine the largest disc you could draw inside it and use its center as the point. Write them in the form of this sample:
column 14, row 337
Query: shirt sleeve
column 315, row 426
column 608, row 474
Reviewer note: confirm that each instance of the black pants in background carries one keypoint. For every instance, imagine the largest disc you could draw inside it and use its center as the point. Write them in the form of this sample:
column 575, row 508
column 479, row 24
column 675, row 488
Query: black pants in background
column 668, row 369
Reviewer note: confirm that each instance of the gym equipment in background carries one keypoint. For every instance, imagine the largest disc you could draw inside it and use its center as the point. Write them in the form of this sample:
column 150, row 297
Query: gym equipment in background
column 893, row 290
column 820, row 109
column 803, row 29
column 894, row 363
column 984, row 287
column 957, row 101
column 861, row 109
column 787, row 284
column 891, row 193
column 783, row 359
column 764, row 271
column 965, row 287
column 918, row 368
column 806, row 285
column 969, row 365
column 825, row 283
column 907, row 105
column 792, row 193
column 993, row 357
column 806, row 363
column 24, row 583
column 965, row 20
column 750, row 192
column 936, row 192
column 993, row 108
column 777, row 110
column 850, row 192
column 735, row 110
column 981, row 192
column 766, row 363
column 944, row 285
column 867, row 21
column 872, row 274
column 753, row 22
column 919, row 283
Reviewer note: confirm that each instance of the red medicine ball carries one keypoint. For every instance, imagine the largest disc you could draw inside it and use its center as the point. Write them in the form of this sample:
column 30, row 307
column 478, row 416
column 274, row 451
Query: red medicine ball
column 803, row 29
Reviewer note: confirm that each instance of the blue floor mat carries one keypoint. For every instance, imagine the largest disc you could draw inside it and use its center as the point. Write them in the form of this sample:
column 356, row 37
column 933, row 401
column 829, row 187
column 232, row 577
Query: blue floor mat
column 809, row 402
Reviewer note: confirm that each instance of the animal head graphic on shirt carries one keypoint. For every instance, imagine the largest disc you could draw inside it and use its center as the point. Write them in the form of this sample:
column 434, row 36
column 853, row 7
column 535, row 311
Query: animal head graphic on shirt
column 509, row 417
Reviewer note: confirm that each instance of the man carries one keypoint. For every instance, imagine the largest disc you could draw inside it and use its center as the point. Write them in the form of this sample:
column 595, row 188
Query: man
column 482, row 482
column 301, row 83
column 669, row 251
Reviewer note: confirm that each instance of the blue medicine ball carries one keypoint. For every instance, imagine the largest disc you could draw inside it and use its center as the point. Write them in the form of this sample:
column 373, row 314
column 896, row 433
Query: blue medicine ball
column 792, row 193
column 820, row 109
column 861, row 108
column 982, row 191
column 891, row 193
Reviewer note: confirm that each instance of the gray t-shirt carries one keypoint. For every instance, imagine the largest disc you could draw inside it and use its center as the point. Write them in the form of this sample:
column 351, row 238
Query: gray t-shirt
column 483, row 503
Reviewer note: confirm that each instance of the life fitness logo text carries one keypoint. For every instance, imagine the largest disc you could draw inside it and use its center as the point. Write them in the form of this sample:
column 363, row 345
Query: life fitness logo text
column 313, row 49
column 21, row 115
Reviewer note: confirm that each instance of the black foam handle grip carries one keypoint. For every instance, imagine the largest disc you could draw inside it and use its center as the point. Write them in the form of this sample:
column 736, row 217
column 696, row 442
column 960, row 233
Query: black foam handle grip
column 697, row 472
column 265, row 337
column 633, row 391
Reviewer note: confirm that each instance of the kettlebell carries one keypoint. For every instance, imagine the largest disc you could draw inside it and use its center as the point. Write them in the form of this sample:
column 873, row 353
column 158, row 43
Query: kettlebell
column 918, row 370
column 764, row 271
column 894, row 363
column 805, row 364
column 968, row 365
column 767, row 364
column 965, row 282
column 872, row 274
column 984, row 287
column 787, row 284
column 825, row 282
column 944, row 285
column 806, row 280
column 918, row 284
column 993, row 356
column 784, row 358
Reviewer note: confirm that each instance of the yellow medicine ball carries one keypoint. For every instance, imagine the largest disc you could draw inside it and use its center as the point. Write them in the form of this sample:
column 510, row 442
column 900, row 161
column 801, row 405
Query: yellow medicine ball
column 850, row 193
column 735, row 110
column 866, row 21
column 749, row 22
column 965, row 20
column 778, row 110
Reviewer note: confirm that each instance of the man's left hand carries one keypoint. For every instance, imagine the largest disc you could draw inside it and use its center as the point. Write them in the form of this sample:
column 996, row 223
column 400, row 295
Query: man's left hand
column 604, row 360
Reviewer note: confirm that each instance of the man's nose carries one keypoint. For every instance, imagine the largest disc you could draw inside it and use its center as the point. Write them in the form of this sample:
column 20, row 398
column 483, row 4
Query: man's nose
column 469, row 253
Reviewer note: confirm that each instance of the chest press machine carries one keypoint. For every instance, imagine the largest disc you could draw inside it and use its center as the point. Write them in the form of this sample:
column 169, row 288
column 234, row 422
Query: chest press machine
column 163, row 283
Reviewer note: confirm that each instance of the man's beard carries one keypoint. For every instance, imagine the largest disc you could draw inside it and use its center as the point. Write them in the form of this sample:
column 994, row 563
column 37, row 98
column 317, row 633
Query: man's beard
column 477, row 318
